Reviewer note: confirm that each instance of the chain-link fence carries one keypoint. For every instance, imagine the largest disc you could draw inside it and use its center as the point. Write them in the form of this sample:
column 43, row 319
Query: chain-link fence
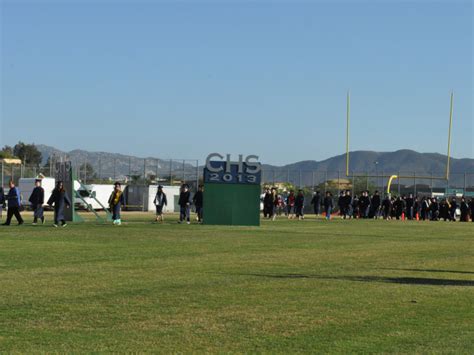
column 174, row 172
column 100, row 171
column 335, row 181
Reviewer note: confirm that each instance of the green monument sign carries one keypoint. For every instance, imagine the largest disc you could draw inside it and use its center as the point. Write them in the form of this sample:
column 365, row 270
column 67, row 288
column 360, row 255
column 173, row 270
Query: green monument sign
column 63, row 171
column 232, row 191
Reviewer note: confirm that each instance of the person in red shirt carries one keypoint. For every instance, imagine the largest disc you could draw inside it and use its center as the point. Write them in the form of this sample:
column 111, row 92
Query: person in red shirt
column 290, row 204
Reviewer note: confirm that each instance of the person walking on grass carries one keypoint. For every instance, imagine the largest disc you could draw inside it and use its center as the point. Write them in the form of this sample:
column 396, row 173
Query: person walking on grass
column 452, row 209
column 116, row 202
column 444, row 208
column 328, row 205
column 464, row 207
column 340, row 203
column 416, row 208
column 299, row 205
column 364, row 204
column 355, row 207
column 184, row 204
column 434, row 209
column 3, row 204
column 60, row 200
column 316, row 202
column 281, row 205
column 471, row 208
column 425, row 208
column 14, row 204
column 387, row 207
column 160, row 202
column 267, row 204
column 290, row 204
column 198, row 200
column 37, row 200
column 398, row 206
column 347, row 205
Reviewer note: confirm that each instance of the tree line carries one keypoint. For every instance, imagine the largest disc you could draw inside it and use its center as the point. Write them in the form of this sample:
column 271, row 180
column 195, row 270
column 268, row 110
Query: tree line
column 28, row 153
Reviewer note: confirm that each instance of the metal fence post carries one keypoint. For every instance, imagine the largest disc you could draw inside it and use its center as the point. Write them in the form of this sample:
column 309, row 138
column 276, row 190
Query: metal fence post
column 157, row 162
column 398, row 183
column 325, row 181
column 144, row 171
column 100, row 168
column 197, row 174
column 312, row 180
column 414, row 184
column 383, row 183
column 184, row 174
column 339, row 182
column 171, row 172
column 300, row 184
column 465, row 185
column 367, row 181
column 431, row 184
column 353, row 184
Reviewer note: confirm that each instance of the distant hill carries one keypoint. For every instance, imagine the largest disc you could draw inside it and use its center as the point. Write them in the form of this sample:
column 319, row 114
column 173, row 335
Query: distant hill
column 119, row 165
column 389, row 162
column 361, row 162
column 403, row 162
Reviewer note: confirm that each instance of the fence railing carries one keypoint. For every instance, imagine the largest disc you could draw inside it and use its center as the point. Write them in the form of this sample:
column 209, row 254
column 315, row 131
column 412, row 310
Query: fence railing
column 137, row 171
column 175, row 172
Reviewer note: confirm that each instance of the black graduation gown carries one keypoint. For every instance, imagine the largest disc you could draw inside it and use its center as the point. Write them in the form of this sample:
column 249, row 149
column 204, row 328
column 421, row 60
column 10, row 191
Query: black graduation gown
column 443, row 210
column 198, row 199
column 328, row 203
column 464, row 212
column 299, row 204
column 434, row 208
column 37, row 200
column 59, row 199
column 268, row 201
column 184, row 199
column 387, row 207
column 316, row 202
column 37, row 197
column 471, row 206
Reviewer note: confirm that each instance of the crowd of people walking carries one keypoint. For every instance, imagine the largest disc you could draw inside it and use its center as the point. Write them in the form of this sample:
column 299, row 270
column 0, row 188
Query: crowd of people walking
column 291, row 205
column 368, row 206
column 58, row 200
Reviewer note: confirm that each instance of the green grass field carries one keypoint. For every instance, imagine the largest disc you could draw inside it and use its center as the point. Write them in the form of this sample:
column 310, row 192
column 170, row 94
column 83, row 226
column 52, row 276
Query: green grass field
column 288, row 286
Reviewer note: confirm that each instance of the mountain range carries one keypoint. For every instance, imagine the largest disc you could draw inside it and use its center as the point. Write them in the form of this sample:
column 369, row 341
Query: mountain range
column 390, row 162
column 361, row 162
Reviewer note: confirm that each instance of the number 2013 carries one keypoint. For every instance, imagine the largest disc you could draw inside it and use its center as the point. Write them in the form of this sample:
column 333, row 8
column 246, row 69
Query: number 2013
column 230, row 178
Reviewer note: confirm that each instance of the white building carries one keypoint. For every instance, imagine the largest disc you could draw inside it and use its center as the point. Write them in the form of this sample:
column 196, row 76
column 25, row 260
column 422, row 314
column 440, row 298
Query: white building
column 172, row 195
column 26, row 186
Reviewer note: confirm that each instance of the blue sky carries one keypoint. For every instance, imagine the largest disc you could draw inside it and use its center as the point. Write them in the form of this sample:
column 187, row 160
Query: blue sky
column 185, row 79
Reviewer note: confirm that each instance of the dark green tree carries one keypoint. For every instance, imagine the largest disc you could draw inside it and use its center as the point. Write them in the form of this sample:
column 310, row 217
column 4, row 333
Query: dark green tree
column 6, row 152
column 28, row 153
